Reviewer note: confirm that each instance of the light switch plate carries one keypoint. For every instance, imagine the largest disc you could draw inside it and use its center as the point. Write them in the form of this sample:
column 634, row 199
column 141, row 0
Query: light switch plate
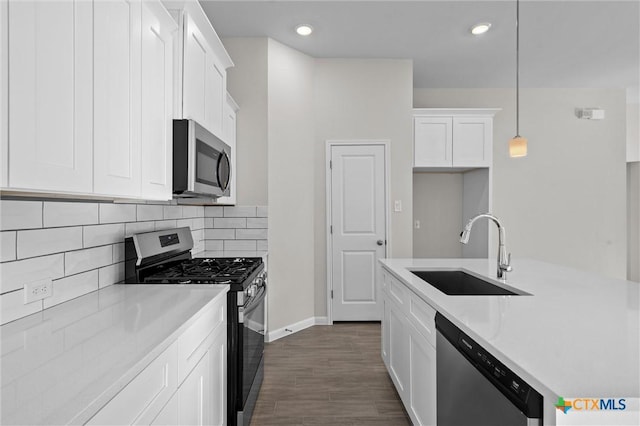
column 397, row 206
column 38, row 290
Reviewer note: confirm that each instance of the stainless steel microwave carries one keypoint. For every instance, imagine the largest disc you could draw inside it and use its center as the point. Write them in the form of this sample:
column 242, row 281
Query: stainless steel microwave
column 201, row 162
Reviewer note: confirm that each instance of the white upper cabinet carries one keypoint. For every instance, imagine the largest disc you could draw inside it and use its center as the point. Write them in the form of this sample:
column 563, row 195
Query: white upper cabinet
column 49, row 62
column 453, row 138
column 433, row 141
column 158, row 31
column 201, row 77
column 116, row 102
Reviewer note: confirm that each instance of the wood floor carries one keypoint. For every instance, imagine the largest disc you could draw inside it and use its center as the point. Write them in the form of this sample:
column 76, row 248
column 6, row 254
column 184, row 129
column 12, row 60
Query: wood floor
column 328, row 375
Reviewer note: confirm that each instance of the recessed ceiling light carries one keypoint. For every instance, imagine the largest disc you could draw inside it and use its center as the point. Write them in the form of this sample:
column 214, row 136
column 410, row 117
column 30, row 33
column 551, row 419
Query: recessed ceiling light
column 304, row 29
column 480, row 28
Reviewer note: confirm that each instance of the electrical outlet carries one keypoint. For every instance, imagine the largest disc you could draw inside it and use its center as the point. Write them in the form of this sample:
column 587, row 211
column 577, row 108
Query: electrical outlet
column 397, row 206
column 37, row 290
column 417, row 224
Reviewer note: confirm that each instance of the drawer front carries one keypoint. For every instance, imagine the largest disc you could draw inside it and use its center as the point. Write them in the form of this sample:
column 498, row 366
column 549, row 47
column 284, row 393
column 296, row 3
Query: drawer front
column 398, row 292
column 422, row 316
column 193, row 343
column 145, row 396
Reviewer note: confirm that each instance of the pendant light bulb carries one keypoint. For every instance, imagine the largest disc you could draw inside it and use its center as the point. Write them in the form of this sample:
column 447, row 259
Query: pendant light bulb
column 518, row 147
column 518, row 144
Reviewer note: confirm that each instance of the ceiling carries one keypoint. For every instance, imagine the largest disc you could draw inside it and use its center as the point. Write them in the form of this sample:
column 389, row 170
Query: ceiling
column 563, row 43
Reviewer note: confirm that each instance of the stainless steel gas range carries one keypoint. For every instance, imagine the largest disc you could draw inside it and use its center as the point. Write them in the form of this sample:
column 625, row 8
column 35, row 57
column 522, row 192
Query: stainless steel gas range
column 164, row 257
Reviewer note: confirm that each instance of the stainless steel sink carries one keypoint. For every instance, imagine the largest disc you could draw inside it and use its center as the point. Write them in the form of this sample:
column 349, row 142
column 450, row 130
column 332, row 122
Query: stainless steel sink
column 460, row 283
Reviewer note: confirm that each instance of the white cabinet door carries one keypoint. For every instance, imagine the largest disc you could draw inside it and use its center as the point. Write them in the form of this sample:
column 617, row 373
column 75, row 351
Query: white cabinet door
column 218, row 371
column 194, row 395
column 144, row 397
column 204, row 80
column 158, row 30
column 169, row 414
column 50, row 95
column 422, row 390
column 117, row 97
column 399, row 351
column 215, row 95
column 472, row 141
column 433, row 141
column 194, row 72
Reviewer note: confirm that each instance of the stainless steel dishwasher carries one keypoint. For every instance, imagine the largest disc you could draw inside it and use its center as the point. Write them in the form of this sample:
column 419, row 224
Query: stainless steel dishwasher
column 474, row 388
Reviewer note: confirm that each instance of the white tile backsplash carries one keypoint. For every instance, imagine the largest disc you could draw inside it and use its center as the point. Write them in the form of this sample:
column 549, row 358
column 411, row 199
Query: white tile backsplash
column 172, row 212
column 240, row 211
column 71, row 287
column 87, row 239
column 87, row 259
column 213, row 211
column 132, row 228
column 257, row 222
column 20, row 214
column 240, row 245
column 262, row 245
column 118, row 252
column 7, row 246
column 217, row 245
column 39, row 242
column 166, row 224
column 149, row 212
column 69, row 214
column 220, row 234
column 114, row 213
column 251, row 234
column 99, row 235
column 262, row 211
column 14, row 275
column 12, row 307
column 111, row 274
column 229, row 223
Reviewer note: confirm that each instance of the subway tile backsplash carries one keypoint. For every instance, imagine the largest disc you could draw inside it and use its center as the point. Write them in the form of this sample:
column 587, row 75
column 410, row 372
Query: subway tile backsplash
column 79, row 245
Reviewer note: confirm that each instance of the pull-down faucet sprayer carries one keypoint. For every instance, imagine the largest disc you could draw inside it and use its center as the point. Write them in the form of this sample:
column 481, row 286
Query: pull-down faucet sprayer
column 504, row 261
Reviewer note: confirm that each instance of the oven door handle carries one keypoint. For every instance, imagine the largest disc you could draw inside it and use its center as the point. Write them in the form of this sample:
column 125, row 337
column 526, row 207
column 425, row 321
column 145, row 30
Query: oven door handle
column 252, row 304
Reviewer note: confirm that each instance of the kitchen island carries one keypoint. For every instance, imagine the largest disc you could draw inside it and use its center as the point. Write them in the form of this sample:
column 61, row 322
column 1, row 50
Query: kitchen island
column 575, row 335
column 64, row 364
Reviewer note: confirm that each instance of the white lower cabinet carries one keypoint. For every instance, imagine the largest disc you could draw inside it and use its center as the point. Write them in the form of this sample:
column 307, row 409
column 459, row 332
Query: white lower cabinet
column 157, row 395
column 408, row 350
column 422, row 389
column 144, row 397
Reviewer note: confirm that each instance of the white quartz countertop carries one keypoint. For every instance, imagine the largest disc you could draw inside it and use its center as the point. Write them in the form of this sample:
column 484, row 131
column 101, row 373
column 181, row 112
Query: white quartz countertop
column 63, row 364
column 576, row 335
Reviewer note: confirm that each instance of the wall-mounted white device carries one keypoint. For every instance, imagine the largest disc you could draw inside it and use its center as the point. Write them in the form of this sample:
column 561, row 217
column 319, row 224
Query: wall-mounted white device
column 590, row 113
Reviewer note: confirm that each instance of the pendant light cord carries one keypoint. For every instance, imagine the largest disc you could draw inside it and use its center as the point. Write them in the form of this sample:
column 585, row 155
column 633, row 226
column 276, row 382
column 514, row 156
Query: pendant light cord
column 517, row 68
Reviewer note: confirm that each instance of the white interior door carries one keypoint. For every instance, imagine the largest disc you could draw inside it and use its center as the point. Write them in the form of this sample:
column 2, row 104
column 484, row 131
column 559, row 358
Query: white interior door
column 358, row 230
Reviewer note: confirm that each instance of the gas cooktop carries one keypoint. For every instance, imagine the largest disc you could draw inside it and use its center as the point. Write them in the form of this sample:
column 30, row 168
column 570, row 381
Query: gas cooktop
column 207, row 270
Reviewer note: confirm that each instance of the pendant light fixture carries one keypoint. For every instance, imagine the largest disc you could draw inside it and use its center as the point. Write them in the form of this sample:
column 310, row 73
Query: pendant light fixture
column 518, row 144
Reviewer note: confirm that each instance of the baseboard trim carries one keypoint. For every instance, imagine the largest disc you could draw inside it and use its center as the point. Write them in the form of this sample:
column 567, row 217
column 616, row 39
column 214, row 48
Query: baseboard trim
column 295, row 327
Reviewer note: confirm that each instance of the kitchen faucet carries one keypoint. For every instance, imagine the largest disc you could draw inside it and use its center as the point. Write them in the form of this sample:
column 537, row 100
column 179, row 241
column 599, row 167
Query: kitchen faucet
column 504, row 262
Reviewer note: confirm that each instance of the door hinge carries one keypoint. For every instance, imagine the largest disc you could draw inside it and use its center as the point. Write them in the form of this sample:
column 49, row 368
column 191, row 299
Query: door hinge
column 330, row 164
column 332, row 294
column 331, row 229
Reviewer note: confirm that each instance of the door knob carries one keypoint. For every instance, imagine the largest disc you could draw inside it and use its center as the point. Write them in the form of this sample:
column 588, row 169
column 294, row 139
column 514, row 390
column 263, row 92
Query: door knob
column 379, row 242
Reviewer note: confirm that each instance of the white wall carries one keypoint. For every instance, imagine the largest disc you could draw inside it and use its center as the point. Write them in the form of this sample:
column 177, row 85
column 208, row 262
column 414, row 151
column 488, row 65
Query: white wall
column 290, row 187
column 364, row 99
column 566, row 201
column 247, row 84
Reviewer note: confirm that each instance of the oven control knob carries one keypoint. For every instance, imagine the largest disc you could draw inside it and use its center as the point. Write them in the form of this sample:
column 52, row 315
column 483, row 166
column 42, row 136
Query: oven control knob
column 252, row 290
